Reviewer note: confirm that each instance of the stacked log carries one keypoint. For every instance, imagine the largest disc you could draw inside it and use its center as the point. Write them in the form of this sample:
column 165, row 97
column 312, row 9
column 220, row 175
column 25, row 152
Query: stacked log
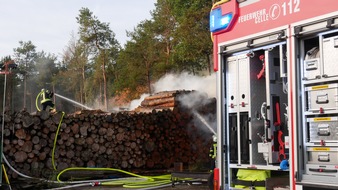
column 161, row 100
column 123, row 140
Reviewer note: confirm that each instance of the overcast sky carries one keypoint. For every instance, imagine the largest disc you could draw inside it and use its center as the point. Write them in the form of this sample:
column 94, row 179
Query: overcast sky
column 49, row 24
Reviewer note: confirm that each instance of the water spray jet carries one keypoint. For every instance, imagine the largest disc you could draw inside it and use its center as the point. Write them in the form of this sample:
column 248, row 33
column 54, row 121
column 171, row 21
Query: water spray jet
column 205, row 122
column 73, row 101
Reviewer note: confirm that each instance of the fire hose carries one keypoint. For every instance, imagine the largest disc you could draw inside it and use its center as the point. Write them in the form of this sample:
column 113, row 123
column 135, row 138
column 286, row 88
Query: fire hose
column 37, row 100
column 57, row 131
column 137, row 181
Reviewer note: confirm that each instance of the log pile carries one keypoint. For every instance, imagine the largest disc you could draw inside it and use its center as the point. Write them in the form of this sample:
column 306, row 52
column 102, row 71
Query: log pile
column 124, row 140
column 162, row 100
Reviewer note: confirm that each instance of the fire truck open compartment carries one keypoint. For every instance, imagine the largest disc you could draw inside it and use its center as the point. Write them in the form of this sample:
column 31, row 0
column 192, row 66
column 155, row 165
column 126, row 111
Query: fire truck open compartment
column 256, row 106
column 318, row 89
column 256, row 109
column 277, row 78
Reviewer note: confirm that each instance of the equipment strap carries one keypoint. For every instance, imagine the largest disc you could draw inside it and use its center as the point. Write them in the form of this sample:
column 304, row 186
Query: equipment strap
column 249, row 183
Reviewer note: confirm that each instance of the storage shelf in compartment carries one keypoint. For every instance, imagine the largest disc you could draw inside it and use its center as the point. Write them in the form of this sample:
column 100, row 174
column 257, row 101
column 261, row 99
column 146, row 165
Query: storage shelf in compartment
column 325, row 181
column 316, row 113
column 320, row 81
column 258, row 167
column 317, row 144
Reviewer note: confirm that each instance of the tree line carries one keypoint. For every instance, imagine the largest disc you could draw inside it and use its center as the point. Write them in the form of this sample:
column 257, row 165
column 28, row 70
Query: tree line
column 95, row 68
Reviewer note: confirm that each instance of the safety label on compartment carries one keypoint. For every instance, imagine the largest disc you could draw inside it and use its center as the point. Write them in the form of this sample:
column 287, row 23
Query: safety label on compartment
column 321, row 149
column 322, row 119
column 320, row 87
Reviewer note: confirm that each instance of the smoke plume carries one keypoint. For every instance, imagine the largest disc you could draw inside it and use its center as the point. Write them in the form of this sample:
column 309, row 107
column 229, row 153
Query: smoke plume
column 183, row 81
column 205, row 87
column 135, row 103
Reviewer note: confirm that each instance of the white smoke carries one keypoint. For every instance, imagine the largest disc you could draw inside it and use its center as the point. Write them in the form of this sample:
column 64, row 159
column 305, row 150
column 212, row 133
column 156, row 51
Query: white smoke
column 183, row 81
column 205, row 87
column 135, row 103
column 205, row 122
column 193, row 99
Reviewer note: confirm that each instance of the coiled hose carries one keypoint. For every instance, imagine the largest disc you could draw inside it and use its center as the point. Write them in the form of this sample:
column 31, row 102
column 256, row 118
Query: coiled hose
column 137, row 181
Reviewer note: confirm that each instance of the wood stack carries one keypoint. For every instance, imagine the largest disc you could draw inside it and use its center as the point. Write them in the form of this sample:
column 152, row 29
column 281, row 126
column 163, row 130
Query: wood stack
column 124, row 140
column 161, row 100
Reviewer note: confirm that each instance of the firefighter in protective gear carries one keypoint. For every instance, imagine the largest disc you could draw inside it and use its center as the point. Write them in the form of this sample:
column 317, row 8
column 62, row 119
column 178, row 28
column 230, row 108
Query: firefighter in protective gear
column 46, row 99
column 212, row 155
column 213, row 151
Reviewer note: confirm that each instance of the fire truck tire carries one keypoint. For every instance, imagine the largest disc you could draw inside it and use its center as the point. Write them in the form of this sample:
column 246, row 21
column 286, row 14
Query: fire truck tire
column 211, row 180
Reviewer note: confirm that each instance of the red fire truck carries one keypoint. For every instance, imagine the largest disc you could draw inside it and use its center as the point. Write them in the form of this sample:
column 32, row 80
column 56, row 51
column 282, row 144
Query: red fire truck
column 276, row 63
